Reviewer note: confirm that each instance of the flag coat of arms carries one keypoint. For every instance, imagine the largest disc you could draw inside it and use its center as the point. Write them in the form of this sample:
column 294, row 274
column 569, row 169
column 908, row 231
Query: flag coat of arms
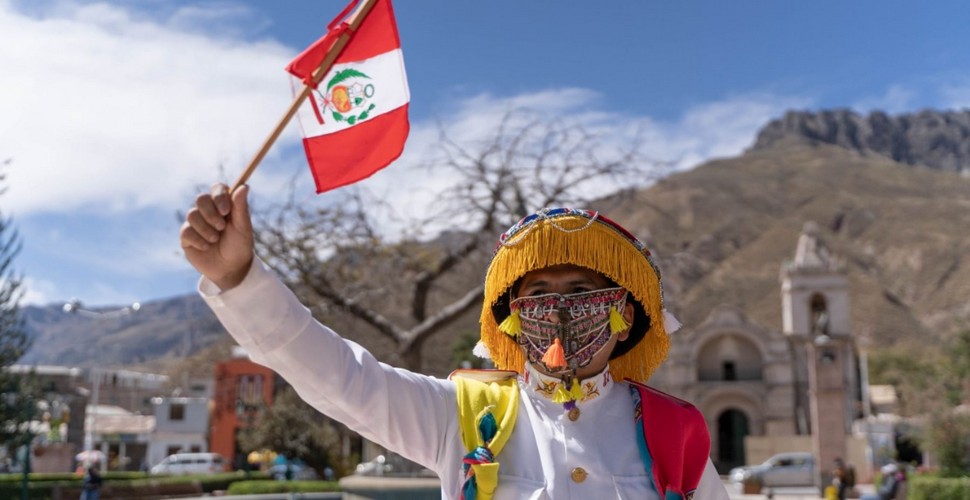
column 356, row 119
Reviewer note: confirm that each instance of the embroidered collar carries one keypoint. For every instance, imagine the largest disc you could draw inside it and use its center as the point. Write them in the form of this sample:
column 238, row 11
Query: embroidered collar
column 587, row 389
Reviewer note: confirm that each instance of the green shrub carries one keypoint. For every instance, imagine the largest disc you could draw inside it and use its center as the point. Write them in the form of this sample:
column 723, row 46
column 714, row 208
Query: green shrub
column 120, row 484
column 221, row 482
column 271, row 486
column 38, row 478
column 927, row 487
column 40, row 490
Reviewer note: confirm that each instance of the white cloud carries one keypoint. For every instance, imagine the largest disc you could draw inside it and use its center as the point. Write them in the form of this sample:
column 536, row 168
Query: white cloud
column 955, row 95
column 897, row 99
column 38, row 292
column 727, row 127
column 122, row 113
column 225, row 17
column 106, row 111
column 156, row 248
column 705, row 131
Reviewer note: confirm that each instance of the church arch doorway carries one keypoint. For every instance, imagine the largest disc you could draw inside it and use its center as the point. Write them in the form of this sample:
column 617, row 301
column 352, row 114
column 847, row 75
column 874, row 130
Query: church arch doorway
column 732, row 427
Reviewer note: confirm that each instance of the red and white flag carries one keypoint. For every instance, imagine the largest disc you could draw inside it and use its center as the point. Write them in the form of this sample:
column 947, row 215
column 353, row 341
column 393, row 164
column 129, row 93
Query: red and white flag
column 356, row 119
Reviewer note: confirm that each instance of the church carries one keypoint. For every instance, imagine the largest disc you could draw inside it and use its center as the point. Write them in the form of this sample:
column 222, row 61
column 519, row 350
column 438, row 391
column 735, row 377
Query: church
column 754, row 383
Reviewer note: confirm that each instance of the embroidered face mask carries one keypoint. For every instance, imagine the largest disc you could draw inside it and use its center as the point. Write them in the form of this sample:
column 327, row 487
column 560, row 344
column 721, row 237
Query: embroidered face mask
column 565, row 332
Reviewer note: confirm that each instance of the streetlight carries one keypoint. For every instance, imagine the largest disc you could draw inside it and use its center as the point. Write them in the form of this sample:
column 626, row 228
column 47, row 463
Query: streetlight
column 75, row 306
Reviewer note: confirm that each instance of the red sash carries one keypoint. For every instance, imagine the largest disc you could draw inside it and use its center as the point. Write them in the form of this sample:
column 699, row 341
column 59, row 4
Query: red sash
column 674, row 432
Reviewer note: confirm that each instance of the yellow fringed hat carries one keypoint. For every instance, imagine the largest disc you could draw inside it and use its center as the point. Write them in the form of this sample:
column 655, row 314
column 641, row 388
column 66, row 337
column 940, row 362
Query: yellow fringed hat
column 587, row 239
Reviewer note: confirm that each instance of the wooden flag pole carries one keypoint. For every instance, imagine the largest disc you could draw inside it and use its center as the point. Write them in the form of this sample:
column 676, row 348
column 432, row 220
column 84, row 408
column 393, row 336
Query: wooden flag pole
column 318, row 74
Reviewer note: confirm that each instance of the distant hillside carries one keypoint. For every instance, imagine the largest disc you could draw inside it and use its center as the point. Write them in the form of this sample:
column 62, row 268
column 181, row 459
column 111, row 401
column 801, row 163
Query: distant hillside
column 161, row 330
column 935, row 139
column 721, row 233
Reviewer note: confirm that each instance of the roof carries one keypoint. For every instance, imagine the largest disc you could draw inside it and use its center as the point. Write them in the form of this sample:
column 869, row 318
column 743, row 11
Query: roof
column 882, row 395
column 121, row 424
column 68, row 371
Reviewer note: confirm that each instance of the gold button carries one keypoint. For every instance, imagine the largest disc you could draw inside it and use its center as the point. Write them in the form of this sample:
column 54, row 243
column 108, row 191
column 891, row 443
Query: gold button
column 578, row 474
column 573, row 414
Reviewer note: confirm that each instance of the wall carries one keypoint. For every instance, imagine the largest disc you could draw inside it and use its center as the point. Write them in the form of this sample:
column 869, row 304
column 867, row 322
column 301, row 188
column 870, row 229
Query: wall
column 242, row 390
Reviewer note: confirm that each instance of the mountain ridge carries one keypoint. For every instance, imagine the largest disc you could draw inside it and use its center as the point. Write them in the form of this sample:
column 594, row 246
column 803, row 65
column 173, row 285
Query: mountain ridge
column 934, row 139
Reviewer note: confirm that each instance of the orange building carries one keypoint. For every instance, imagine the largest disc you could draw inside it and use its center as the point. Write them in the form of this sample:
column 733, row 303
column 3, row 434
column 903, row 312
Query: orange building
column 243, row 390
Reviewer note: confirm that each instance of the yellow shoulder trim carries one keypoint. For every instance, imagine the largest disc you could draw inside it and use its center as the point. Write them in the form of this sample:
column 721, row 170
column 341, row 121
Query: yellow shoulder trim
column 499, row 396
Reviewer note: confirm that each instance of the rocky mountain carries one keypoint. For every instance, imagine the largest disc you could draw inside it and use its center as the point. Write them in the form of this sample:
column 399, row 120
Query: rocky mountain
column 721, row 233
column 935, row 139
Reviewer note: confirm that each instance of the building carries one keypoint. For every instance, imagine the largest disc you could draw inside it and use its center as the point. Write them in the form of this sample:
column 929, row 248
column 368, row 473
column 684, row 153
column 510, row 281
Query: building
column 58, row 420
column 108, row 410
column 127, row 389
column 754, row 383
column 181, row 425
column 122, row 436
column 243, row 390
column 65, row 401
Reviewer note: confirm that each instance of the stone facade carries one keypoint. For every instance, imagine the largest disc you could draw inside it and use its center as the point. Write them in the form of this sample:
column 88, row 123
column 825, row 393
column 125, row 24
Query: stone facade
column 754, row 382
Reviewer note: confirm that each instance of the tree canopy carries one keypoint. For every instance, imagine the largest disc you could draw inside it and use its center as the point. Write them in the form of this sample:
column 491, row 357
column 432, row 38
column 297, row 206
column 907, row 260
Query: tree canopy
column 294, row 429
column 16, row 402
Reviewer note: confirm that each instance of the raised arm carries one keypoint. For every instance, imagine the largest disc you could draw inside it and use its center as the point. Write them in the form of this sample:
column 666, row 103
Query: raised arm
column 409, row 413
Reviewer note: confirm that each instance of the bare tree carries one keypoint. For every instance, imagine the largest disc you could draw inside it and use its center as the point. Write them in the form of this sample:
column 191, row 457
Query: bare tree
column 335, row 259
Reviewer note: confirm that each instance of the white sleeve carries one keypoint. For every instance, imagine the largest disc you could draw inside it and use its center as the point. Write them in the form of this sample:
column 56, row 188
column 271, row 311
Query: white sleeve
column 711, row 487
column 409, row 413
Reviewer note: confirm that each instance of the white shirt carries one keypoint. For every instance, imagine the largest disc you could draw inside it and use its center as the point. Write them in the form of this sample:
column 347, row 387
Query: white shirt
column 416, row 415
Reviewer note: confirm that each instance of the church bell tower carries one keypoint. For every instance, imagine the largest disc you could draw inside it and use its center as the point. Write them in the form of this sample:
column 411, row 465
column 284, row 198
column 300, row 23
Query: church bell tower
column 815, row 318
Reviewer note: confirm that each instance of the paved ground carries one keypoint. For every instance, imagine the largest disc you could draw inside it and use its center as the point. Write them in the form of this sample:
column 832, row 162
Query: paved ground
column 793, row 493
column 799, row 493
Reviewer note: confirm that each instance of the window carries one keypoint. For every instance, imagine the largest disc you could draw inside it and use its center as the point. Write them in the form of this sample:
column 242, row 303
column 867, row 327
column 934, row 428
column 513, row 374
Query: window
column 729, row 371
column 827, row 357
column 195, row 448
column 820, row 315
column 250, row 388
column 176, row 412
column 171, row 450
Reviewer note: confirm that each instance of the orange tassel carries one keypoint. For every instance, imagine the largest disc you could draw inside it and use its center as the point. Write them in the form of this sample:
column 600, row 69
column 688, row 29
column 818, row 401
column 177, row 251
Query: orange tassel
column 555, row 357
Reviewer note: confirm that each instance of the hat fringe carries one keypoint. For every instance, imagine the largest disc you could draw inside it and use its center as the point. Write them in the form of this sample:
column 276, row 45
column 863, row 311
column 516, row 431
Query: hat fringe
column 573, row 240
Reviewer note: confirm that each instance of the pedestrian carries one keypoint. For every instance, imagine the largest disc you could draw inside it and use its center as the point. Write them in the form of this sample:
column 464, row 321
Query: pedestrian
column 892, row 486
column 843, row 478
column 91, row 486
column 572, row 316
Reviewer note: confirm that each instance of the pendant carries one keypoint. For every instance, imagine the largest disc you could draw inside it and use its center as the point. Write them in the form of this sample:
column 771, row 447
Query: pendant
column 573, row 414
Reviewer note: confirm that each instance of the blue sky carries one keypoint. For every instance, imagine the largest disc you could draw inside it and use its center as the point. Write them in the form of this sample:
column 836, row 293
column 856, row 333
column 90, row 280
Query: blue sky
column 115, row 113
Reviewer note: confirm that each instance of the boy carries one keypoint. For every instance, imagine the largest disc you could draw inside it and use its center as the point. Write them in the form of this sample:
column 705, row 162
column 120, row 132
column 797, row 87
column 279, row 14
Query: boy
column 573, row 307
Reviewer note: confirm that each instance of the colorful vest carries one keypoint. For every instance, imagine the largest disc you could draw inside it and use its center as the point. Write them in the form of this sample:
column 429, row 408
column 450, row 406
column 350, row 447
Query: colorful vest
column 670, row 429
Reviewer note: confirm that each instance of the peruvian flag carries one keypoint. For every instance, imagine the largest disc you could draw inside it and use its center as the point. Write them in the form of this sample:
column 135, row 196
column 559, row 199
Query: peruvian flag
column 356, row 119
